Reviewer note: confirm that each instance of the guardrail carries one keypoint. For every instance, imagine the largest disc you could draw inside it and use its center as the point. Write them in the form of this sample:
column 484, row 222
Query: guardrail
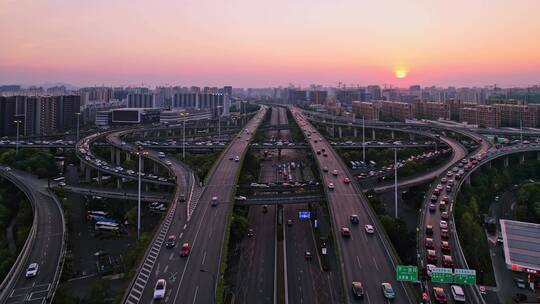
column 58, row 272
column 30, row 240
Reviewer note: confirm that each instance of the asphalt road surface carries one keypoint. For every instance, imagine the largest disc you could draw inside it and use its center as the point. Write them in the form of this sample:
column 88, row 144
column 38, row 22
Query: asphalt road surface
column 46, row 250
column 364, row 258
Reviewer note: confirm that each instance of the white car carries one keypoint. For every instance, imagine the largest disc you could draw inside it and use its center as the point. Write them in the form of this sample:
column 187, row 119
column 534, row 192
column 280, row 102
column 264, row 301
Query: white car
column 159, row 289
column 457, row 293
column 32, row 270
column 369, row 229
column 168, row 163
column 241, row 198
column 443, row 225
column 214, row 201
column 335, row 172
column 237, row 158
column 331, row 186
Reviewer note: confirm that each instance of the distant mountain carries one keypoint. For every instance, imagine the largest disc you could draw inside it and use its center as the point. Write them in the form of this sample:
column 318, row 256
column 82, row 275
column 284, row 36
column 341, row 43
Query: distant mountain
column 52, row 84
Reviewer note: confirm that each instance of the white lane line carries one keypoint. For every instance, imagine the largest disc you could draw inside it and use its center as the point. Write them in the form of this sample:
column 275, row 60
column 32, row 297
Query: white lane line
column 358, row 261
column 367, row 297
column 180, row 236
column 375, row 262
column 171, row 256
column 165, row 269
column 196, row 292
column 203, row 258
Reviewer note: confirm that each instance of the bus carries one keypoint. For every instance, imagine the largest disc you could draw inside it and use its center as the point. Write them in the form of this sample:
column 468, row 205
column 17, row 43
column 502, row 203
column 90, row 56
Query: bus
column 93, row 214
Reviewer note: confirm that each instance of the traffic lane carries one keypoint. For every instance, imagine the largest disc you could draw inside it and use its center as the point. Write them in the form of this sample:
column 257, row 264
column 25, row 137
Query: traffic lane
column 304, row 277
column 348, row 197
column 259, row 281
column 46, row 250
column 209, row 247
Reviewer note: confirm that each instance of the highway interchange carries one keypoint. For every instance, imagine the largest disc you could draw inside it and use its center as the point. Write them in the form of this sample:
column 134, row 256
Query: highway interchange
column 193, row 279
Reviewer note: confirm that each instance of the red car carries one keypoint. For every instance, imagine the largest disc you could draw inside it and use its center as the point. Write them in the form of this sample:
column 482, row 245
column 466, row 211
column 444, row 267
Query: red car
column 345, row 232
column 445, row 246
column 439, row 295
column 346, row 180
column 184, row 251
column 447, row 261
column 431, row 256
column 444, row 215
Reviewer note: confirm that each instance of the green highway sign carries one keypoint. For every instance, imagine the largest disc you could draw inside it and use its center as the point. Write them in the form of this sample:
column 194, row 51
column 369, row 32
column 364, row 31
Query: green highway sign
column 441, row 275
column 407, row 273
column 465, row 276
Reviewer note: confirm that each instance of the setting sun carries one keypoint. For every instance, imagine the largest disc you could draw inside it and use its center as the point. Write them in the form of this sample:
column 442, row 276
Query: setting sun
column 401, row 73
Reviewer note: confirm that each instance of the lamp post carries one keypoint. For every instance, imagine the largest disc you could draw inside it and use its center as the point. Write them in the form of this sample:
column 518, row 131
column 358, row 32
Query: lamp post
column 78, row 123
column 219, row 123
column 139, row 153
column 212, row 276
column 395, row 184
column 363, row 140
column 184, row 115
column 18, row 122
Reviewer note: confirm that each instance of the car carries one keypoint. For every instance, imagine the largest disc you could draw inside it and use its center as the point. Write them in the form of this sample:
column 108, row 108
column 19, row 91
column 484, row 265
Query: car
column 335, row 172
column 325, row 154
column 444, row 180
column 443, row 225
column 346, row 180
column 318, row 152
column 432, row 207
column 214, row 201
column 168, row 163
column 289, row 222
column 265, row 208
column 231, row 158
column 447, row 261
column 307, row 255
column 439, row 295
column 444, row 215
column 250, row 232
column 32, row 270
column 429, row 243
column 445, row 246
column 185, row 249
column 369, row 229
column 444, row 233
column 161, row 155
column 433, row 199
column 354, row 219
column 160, row 289
column 357, row 289
column 171, row 241
column 442, row 206
column 325, row 169
column 331, row 186
column 61, row 184
column 345, row 232
column 429, row 230
column 388, row 291
column 237, row 158
column 241, row 198
column 457, row 293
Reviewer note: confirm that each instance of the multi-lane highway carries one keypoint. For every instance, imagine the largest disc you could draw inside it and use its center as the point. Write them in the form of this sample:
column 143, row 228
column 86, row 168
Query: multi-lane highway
column 192, row 279
column 365, row 258
column 46, row 243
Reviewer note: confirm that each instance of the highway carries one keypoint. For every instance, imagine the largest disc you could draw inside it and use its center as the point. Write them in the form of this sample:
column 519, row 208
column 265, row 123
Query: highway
column 46, row 243
column 117, row 193
column 205, row 232
column 433, row 217
column 365, row 258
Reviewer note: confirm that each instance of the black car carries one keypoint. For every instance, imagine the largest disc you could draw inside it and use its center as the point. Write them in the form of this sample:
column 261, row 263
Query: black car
column 250, row 232
column 354, row 219
column 357, row 289
column 171, row 241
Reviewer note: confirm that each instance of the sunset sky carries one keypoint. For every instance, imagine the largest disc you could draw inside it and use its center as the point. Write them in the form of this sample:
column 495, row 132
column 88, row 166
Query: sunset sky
column 251, row 43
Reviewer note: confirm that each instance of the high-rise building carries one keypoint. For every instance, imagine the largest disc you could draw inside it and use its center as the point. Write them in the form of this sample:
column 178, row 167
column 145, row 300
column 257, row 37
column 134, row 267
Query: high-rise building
column 432, row 110
column 144, row 100
column 217, row 104
column 516, row 115
column 318, row 97
column 396, row 111
column 374, row 92
column 366, row 110
column 347, row 96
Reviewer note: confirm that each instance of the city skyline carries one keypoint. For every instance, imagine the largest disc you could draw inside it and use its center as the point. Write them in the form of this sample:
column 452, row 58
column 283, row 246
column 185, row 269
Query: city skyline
column 246, row 44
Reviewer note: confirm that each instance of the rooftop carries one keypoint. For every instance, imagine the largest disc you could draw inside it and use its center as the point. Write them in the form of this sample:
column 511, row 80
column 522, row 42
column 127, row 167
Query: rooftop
column 521, row 245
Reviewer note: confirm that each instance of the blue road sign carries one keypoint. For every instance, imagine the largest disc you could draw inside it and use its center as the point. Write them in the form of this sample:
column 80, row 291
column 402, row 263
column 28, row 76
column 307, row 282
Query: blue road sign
column 304, row 214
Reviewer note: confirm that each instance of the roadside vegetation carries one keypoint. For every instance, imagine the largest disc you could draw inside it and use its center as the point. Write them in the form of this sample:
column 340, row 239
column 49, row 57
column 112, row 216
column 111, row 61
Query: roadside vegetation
column 34, row 161
column 15, row 223
column 474, row 200
column 200, row 163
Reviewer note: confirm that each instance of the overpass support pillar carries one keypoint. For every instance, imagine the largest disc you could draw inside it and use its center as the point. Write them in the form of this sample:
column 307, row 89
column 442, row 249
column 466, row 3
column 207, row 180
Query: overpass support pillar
column 156, row 169
column 372, row 134
column 393, row 134
column 82, row 166
column 489, row 164
column 506, row 161
column 128, row 156
column 538, row 156
column 112, row 155
column 118, row 157
column 119, row 183
column 279, row 154
column 468, row 180
column 88, row 174
column 144, row 134
column 355, row 132
column 522, row 158
column 411, row 136
column 99, row 175
column 340, row 132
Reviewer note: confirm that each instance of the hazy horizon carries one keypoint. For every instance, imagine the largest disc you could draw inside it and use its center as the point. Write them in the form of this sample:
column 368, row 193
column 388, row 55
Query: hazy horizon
column 264, row 44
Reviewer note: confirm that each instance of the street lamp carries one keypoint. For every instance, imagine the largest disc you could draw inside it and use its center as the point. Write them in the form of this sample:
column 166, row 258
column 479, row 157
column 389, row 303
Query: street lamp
column 219, row 123
column 395, row 184
column 212, row 276
column 184, row 115
column 78, row 121
column 364, row 139
column 18, row 122
column 139, row 153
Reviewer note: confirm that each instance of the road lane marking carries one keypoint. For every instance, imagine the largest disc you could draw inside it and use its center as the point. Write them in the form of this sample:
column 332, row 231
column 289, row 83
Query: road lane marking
column 165, row 269
column 204, row 258
column 358, row 261
column 375, row 262
column 196, row 292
